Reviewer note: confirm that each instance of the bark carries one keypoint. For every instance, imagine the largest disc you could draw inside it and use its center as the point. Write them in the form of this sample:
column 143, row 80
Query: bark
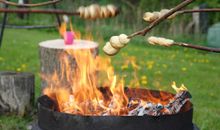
column 51, row 53
column 16, row 93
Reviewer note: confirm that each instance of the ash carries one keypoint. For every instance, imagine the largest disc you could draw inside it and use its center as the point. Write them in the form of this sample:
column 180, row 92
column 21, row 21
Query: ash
column 148, row 108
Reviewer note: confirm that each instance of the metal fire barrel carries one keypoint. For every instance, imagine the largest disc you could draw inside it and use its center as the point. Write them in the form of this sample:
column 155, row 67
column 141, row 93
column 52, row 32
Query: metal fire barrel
column 49, row 119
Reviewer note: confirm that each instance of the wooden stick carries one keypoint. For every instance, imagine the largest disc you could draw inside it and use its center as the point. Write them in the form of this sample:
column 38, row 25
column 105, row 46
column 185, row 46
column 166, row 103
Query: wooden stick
column 197, row 47
column 29, row 5
column 50, row 11
column 197, row 10
column 29, row 27
column 158, row 21
column 177, row 11
column 169, row 42
column 152, row 16
column 61, row 12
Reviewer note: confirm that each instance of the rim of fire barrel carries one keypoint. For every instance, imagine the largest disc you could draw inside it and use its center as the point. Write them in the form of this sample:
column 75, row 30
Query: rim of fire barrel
column 60, row 44
column 49, row 119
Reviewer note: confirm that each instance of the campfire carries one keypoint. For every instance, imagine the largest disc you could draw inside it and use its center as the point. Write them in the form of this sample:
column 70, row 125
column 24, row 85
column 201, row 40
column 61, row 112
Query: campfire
column 82, row 87
column 91, row 87
column 85, row 93
column 82, row 93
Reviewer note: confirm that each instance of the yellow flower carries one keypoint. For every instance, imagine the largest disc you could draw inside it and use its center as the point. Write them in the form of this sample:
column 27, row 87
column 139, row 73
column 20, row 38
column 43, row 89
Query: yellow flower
column 144, row 82
column 184, row 69
column 150, row 64
column 137, row 84
column 135, row 65
column 144, row 77
column 201, row 61
column 207, row 61
column 173, row 56
column 164, row 66
column 23, row 66
column 124, row 54
column 19, row 69
column 1, row 59
column 124, row 67
column 158, row 72
column 212, row 94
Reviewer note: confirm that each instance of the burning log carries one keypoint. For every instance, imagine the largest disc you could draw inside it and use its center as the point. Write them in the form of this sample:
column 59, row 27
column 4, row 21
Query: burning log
column 178, row 102
column 54, row 53
column 16, row 93
column 149, row 108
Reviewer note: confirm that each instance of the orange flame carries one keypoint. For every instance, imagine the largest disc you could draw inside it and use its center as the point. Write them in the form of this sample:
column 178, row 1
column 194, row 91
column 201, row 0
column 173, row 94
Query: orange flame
column 63, row 29
column 81, row 94
column 77, row 91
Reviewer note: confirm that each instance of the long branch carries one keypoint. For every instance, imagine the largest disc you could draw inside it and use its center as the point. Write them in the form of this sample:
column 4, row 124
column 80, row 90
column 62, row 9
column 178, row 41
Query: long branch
column 61, row 12
column 29, row 5
column 169, row 42
column 158, row 21
column 197, row 47
column 197, row 10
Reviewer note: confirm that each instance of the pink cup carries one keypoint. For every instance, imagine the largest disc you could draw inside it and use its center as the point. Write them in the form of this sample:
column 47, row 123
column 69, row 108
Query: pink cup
column 69, row 38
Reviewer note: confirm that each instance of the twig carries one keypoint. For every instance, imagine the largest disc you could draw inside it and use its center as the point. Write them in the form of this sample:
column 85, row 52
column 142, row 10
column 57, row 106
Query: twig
column 29, row 5
column 203, row 48
column 61, row 12
column 196, row 11
column 152, row 16
column 86, row 13
column 169, row 42
column 29, row 27
column 158, row 21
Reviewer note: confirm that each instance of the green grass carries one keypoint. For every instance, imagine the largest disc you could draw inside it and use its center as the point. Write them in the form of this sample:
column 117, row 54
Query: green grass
column 199, row 71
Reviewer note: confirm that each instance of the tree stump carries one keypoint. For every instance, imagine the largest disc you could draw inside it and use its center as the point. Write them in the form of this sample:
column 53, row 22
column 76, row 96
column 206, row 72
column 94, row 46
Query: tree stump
column 52, row 50
column 16, row 93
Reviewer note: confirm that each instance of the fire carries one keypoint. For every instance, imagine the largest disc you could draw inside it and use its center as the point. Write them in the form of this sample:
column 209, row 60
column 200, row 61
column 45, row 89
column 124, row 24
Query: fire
column 77, row 90
column 63, row 29
column 82, row 94
column 181, row 88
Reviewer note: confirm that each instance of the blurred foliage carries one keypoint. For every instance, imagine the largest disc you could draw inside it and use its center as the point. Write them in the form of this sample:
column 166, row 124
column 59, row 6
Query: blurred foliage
column 130, row 18
column 132, row 12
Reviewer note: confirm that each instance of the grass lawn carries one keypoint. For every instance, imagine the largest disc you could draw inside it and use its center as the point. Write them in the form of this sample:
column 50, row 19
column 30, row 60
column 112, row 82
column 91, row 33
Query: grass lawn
column 199, row 71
